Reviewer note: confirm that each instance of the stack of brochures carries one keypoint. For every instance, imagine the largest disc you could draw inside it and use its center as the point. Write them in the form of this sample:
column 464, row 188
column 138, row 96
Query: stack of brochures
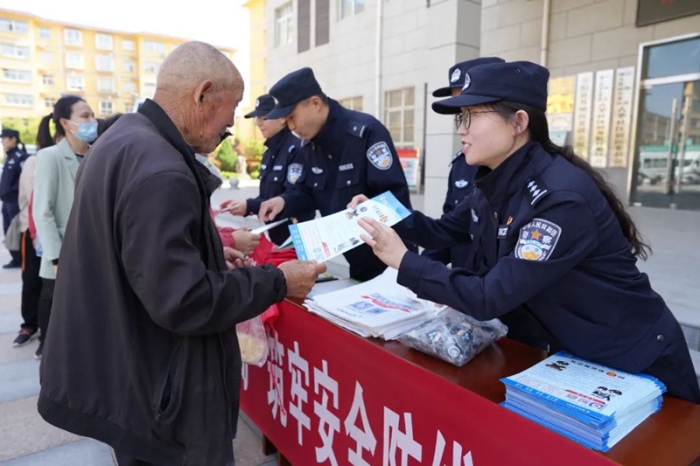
column 591, row 404
column 377, row 308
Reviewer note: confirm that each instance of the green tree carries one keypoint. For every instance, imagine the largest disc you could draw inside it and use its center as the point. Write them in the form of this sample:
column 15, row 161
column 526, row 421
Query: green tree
column 226, row 156
column 253, row 151
column 28, row 128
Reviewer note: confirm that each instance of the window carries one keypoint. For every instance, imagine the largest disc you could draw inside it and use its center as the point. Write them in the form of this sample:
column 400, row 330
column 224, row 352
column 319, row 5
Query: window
column 22, row 76
column 350, row 7
column 130, row 87
column 75, row 60
column 76, row 83
column 352, row 103
column 398, row 115
column 105, row 85
column 13, row 25
column 104, row 63
column 153, row 46
column 284, row 24
column 128, row 67
column 48, row 80
column 149, row 89
column 127, row 44
column 73, row 37
column 103, row 41
column 106, row 107
column 128, row 108
column 14, row 51
column 44, row 33
column 46, row 57
column 150, row 67
column 21, row 100
column 49, row 102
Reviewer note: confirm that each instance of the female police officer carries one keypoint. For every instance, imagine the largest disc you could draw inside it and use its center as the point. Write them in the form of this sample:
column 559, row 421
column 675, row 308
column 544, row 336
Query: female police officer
column 554, row 237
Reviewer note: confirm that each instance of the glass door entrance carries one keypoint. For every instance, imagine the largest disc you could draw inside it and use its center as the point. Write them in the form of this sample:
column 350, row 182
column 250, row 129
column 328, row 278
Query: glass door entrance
column 667, row 149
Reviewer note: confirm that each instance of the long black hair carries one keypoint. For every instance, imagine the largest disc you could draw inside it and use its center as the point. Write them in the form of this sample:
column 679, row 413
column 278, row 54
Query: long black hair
column 20, row 144
column 539, row 132
column 62, row 109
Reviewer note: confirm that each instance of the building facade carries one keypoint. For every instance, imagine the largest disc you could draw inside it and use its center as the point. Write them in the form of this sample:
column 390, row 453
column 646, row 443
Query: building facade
column 617, row 68
column 41, row 59
column 257, row 84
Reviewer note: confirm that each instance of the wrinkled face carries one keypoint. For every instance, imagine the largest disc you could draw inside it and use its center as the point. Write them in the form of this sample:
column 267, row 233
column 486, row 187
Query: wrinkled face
column 9, row 143
column 487, row 137
column 269, row 128
column 307, row 118
column 213, row 114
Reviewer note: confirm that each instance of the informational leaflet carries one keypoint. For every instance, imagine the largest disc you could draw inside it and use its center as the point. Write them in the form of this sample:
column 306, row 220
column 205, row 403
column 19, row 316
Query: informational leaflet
column 327, row 237
column 591, row 404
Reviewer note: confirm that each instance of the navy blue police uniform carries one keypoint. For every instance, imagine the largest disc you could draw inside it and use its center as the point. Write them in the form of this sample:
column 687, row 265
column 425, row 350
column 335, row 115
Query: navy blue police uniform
column 282, row 150
column 552, row 246
column 9, row 184
column 352, row 154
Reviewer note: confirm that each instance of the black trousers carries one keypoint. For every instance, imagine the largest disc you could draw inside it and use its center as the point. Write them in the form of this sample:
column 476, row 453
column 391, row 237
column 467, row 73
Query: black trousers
column 9, row 211
column 126, row 460
column 31, row 283
column 45, row 302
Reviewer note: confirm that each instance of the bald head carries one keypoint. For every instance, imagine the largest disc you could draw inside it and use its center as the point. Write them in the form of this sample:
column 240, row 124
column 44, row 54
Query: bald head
column 199, row 88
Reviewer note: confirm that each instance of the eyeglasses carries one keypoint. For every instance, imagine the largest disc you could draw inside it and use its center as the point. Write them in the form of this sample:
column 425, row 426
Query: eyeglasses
column 465, row 118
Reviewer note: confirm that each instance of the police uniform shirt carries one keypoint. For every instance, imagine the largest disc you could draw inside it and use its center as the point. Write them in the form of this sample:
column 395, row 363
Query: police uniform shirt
column 352, row 154
column 553, row 245
column 459, row 186
column 9, row 182
column 282, row 151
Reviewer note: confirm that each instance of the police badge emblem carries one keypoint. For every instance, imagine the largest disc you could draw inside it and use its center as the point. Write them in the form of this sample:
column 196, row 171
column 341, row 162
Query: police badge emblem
column 455, row 75
column 294, row 172
column 461, row 184
column 537, row 240
column 467, row 82
column 379, row 155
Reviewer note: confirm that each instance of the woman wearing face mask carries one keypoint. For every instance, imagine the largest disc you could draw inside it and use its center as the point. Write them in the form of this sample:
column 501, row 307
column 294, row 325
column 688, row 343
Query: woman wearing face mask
column 54, row 183
column 555, row 239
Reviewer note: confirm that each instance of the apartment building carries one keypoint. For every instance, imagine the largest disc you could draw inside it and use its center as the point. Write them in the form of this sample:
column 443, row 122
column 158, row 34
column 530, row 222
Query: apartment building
column 617, row 68
column 42, row 59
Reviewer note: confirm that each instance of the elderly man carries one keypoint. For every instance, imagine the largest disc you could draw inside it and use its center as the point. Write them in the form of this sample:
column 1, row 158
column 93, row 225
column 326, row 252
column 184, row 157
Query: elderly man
column 142, row 352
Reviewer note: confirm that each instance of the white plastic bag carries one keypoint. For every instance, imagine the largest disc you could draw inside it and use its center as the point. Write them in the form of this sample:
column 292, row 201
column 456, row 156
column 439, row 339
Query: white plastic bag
column 454, row 337
column 252, row 340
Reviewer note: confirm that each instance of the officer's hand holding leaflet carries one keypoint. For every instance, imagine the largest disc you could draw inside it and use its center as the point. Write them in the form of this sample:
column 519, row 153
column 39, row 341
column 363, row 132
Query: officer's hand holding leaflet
column 383, row 240
column 234, row 206
column 270, row 209
column 359, row 199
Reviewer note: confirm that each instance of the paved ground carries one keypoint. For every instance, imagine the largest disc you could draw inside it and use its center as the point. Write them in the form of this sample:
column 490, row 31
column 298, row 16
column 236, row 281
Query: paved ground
column 25, row 440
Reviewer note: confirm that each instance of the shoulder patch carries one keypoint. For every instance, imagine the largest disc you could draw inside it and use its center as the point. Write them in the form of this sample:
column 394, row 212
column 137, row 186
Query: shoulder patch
column 537, row 240
column 380, row 156
column 294, row 172
column 535, row 190
column 356, row 129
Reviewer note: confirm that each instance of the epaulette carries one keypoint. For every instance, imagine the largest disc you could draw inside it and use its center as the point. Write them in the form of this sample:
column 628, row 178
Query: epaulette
column 356, row 129
column 536, row 190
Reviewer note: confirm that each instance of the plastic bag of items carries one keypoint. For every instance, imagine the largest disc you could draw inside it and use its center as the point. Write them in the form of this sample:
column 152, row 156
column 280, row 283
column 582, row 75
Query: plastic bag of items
column 454, row 337
column 252, row 340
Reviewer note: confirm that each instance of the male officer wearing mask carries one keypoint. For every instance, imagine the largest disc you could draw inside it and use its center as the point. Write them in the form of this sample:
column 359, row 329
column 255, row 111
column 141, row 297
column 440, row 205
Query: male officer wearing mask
column 345, row 153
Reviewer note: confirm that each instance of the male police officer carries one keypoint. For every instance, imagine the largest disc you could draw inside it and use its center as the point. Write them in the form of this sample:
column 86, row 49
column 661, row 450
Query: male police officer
column 461, row 174
column 9, row 184
column 345, row 153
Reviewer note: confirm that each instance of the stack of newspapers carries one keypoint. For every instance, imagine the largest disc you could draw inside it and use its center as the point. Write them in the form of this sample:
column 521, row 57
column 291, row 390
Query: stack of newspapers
column 591, row 404
column 378, row 308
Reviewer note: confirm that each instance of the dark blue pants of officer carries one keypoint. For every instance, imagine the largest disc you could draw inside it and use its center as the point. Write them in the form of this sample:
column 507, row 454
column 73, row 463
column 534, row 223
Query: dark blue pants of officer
column 675, row 369
column 9, row 211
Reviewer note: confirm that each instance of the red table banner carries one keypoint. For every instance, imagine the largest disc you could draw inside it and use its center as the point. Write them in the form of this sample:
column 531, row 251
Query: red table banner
column 327, row 396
